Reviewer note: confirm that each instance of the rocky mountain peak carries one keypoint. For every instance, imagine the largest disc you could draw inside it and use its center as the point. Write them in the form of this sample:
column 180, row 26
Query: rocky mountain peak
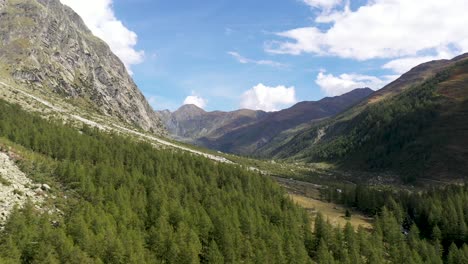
column 190, row 110
column 46, row 47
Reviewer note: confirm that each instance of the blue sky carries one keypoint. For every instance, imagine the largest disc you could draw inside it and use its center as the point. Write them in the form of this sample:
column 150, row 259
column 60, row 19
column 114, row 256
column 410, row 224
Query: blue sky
column 263, row 54
column 191, row 44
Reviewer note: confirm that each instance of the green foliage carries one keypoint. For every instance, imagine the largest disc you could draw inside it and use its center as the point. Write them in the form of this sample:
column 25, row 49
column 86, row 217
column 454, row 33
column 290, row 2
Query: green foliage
column 408, row 133
column 437, row 215
column 348, row 213
column 131, row 203
column 385, row 135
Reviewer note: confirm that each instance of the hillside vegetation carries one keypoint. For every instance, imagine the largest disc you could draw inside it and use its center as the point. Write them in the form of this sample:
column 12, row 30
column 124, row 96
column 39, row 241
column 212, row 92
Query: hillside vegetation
column 122, row 201
column 128, row 203
column 420, row 132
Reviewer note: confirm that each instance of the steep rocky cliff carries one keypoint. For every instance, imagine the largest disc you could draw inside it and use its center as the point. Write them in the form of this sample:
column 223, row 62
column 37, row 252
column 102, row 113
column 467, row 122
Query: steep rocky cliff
column 46, row 47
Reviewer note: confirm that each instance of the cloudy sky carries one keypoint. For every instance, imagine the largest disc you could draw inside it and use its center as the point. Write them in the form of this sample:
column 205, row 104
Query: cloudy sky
column 263, row 54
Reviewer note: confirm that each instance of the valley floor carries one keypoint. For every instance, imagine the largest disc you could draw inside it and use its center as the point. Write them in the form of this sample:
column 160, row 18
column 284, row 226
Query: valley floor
column 307, row 195
column 333, row 212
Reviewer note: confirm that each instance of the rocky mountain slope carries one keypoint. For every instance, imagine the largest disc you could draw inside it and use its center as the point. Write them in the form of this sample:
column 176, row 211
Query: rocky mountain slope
column 416, row 126
column 46, row 47
column 245, row 131
column 16, row 188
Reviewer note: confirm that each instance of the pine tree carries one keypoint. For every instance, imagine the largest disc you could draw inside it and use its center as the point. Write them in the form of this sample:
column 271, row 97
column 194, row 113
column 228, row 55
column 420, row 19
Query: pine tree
column 213, row 254
column 324, row 256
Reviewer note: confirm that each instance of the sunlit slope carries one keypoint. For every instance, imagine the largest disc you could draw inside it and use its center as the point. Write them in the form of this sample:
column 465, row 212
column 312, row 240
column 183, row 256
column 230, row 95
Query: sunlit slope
column 124, row 201
column 419, row 130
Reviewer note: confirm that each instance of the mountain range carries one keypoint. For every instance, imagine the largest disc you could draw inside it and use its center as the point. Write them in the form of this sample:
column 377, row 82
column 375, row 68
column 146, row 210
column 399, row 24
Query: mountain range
column 246, row 131
column 415, row 126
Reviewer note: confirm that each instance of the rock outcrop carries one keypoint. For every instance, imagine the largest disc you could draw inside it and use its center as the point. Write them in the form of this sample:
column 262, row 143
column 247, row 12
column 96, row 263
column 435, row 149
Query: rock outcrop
column 45, row 46
column 16, row 189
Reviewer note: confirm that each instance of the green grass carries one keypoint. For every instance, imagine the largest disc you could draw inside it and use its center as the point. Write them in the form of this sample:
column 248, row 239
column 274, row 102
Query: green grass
column 335, row 213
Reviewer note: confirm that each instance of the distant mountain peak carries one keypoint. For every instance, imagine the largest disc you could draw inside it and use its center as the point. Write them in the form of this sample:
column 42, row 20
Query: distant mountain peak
column 245, row 130
column 190, row 107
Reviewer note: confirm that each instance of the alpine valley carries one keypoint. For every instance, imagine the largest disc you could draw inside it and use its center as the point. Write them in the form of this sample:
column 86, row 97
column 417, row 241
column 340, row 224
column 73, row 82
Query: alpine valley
column 90, row 173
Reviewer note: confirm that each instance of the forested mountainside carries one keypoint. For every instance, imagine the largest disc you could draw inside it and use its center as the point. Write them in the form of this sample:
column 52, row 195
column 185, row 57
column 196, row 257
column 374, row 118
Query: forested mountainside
column 46, row 48
column 122, row 201
column 71, row 193
column 418, row 130
column 246, row 131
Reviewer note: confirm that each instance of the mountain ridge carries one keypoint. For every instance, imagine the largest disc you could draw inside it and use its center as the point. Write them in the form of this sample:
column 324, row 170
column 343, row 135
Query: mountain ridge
column 417, row 130
column 220, row 130
column 53, row 52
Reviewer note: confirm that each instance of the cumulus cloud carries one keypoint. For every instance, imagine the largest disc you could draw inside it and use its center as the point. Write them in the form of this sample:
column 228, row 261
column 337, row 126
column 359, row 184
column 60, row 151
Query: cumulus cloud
column 402, row 65
column 244, row 60
column 195, row 100
column 100, row 19
column 337, row 85
column 382, row 29
column 267, row 98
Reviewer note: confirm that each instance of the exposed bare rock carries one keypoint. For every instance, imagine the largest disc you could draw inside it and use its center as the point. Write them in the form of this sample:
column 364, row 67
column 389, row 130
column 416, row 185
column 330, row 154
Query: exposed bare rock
column 15, row 188
column 45, row 46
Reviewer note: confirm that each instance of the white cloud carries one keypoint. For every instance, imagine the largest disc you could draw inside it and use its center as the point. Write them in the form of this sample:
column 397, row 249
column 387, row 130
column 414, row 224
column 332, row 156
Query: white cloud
column 322, row 4
column 267, row 98
column 244, row 60
column 100, row 19
column 383, row 29
column 195, row 100
column 403, row 65
column 337, row 85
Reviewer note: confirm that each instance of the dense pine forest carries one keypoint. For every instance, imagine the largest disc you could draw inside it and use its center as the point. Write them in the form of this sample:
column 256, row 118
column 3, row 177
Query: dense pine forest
column 130, row 203
column 123, row 201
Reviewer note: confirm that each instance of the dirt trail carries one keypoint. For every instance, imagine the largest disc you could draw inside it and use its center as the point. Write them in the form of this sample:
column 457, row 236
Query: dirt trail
column 304, row 193
column 116, row 127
